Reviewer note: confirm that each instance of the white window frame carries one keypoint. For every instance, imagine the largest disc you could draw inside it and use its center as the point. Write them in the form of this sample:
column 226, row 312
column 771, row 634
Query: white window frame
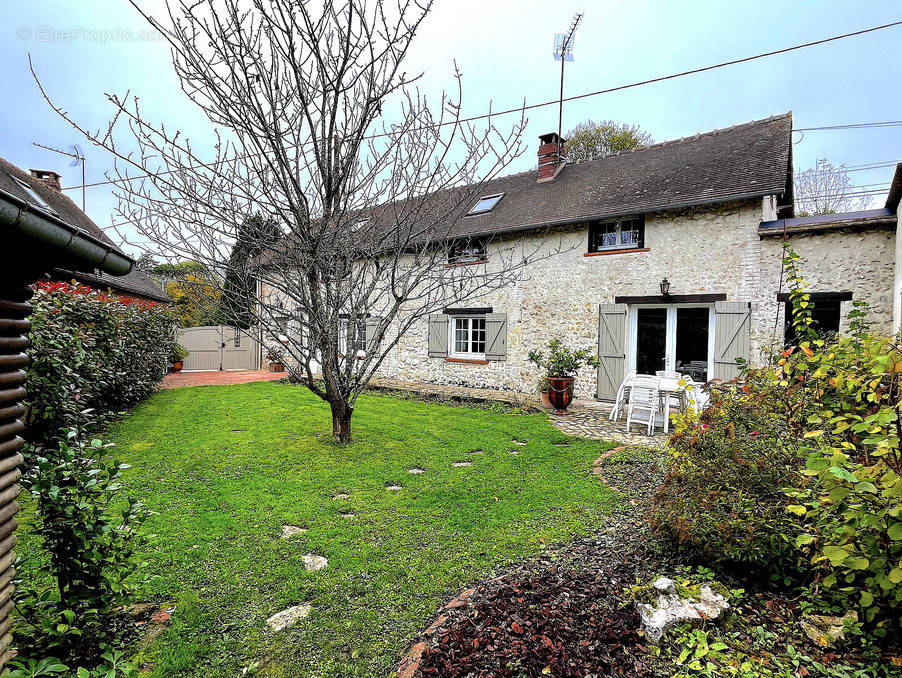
column 471, row 258
column 473, row 211
column 670, row 336
column 618, row 224
column 452, row 344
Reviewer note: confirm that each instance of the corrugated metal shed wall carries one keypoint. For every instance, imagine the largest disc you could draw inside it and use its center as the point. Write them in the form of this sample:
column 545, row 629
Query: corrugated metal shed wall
column 14, row 328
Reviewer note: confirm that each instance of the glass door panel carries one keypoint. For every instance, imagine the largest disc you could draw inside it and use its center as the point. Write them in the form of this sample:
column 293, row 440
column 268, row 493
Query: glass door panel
column 651, row 339
column 692, row 342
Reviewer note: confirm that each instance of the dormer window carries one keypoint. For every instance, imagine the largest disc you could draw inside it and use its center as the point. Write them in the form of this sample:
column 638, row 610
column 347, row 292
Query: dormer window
column 620, row 234
column 34, row 199
column 485, row 204
column 467, row 251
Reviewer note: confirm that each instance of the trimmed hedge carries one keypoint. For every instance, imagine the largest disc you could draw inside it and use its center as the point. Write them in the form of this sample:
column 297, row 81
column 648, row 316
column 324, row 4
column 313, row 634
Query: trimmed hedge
column 93, row 355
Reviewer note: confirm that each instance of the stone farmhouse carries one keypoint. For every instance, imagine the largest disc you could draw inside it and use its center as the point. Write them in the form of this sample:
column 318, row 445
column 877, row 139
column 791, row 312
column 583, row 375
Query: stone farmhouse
column 664, row 257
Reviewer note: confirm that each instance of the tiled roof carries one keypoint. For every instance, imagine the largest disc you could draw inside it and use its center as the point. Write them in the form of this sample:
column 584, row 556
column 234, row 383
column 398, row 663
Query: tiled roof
column 744, row 161
column 135, row 282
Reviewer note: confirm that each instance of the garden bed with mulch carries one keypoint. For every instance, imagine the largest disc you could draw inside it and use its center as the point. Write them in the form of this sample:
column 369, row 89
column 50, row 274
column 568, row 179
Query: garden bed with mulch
column 561, row 614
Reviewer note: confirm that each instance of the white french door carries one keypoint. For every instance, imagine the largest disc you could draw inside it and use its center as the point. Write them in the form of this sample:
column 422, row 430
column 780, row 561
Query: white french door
column 673, row 337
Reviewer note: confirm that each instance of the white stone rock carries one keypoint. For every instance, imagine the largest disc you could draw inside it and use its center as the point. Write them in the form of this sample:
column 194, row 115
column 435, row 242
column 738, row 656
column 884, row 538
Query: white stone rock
column 342, row 496
column 289, row 531
column 282, row 620
column 670, row 609
column 664, row 585
column 314, row 563
column 459, row 464
column 393, row 488
column 416, row 470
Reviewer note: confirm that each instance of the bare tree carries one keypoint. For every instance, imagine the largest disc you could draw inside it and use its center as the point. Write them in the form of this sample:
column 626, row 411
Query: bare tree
column 320, row 131
column 826, row 189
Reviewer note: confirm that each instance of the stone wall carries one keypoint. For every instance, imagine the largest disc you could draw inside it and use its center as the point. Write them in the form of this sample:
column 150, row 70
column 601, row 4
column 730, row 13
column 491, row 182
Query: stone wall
column 709, row 250
column 859, row 261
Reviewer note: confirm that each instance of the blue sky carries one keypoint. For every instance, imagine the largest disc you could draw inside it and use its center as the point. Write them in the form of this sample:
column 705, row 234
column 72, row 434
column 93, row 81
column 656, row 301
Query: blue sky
column 82, row 50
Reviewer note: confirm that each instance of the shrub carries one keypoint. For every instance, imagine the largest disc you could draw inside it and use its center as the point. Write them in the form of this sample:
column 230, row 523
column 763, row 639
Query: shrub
column 93, row 355
column 561, row 361
column 721, row 498
column 91, row 540
column 849, row 493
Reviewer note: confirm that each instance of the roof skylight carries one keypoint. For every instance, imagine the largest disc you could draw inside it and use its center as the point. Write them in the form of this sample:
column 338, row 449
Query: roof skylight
column 34, row 198
column 485, row 204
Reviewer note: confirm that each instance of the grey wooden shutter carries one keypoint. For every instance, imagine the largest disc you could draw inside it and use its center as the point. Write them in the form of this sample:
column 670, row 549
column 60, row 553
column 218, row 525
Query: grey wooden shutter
column 496, row 336
column 731, row 337
column 372, row 329
column 438, row 336
column 611, row 349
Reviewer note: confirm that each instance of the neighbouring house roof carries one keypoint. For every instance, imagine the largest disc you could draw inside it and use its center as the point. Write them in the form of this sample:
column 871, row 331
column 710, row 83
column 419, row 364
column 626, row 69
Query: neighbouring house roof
column 744, row 161
column 134, row 282
column 829, row 222
column 883, row 217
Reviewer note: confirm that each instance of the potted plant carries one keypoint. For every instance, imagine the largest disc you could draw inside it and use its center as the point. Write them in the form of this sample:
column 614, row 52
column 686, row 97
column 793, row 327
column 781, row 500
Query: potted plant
column 275, row 355
column 177, row 358
column 560, row 365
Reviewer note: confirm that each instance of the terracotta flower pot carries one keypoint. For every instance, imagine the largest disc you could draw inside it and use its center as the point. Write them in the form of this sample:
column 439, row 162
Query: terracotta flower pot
column 560, row 393
column 546, row 402
column 177, row 366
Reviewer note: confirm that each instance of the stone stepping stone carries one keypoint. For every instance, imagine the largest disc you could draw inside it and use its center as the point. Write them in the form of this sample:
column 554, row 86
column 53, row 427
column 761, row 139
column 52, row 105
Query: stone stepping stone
column 519, row 442
column 289, row 531
column 393, row 488
column 341, row 496
column 416, row 470
column 477, row 451
column 282, row 620
column 315, row 563
column 514, row 452
column 347, row 516
column 459, row 464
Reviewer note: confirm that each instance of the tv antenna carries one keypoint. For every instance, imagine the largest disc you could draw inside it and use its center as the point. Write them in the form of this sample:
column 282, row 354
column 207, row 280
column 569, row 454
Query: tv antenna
column 563, row 52
column 78, row 158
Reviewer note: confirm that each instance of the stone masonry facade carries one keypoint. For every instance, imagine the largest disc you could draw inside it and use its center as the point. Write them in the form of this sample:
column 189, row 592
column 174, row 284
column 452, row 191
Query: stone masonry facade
column 706, row 250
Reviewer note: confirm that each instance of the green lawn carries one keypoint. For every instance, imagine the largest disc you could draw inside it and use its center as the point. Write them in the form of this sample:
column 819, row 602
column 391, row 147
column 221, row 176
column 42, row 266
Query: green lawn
column 225, row 467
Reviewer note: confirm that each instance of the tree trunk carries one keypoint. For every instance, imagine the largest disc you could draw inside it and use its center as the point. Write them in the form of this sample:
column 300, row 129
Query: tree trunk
column 341, row 421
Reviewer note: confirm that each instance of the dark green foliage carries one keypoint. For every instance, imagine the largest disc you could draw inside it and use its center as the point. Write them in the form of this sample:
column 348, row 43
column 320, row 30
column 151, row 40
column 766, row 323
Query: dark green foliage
column 91, row 539
column 93, row 355
column 255, row 236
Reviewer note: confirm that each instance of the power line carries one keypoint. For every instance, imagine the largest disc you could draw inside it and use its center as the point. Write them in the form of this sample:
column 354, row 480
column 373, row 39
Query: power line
column 586, row 95
column 854, row 125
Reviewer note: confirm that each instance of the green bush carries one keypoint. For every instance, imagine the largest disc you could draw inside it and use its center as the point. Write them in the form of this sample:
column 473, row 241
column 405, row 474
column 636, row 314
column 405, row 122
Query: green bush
column 91, row 543
column 92, row 356
column 721, row 498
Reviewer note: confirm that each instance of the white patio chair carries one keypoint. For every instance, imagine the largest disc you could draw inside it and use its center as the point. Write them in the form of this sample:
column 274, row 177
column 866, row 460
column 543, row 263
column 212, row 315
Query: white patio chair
column 644, row 401
column 620, row 400
column 671, row 398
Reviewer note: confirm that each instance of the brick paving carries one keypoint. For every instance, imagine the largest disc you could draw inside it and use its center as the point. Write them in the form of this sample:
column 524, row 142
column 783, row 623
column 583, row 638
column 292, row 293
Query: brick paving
column 179, row 379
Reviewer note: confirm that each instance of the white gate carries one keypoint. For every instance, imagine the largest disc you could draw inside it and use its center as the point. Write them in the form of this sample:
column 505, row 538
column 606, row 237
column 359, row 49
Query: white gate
column 220, row 347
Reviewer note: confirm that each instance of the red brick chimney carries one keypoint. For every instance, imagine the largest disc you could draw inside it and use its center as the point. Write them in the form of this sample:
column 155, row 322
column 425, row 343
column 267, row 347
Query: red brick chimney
column 552, row 157
column 48, row 178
